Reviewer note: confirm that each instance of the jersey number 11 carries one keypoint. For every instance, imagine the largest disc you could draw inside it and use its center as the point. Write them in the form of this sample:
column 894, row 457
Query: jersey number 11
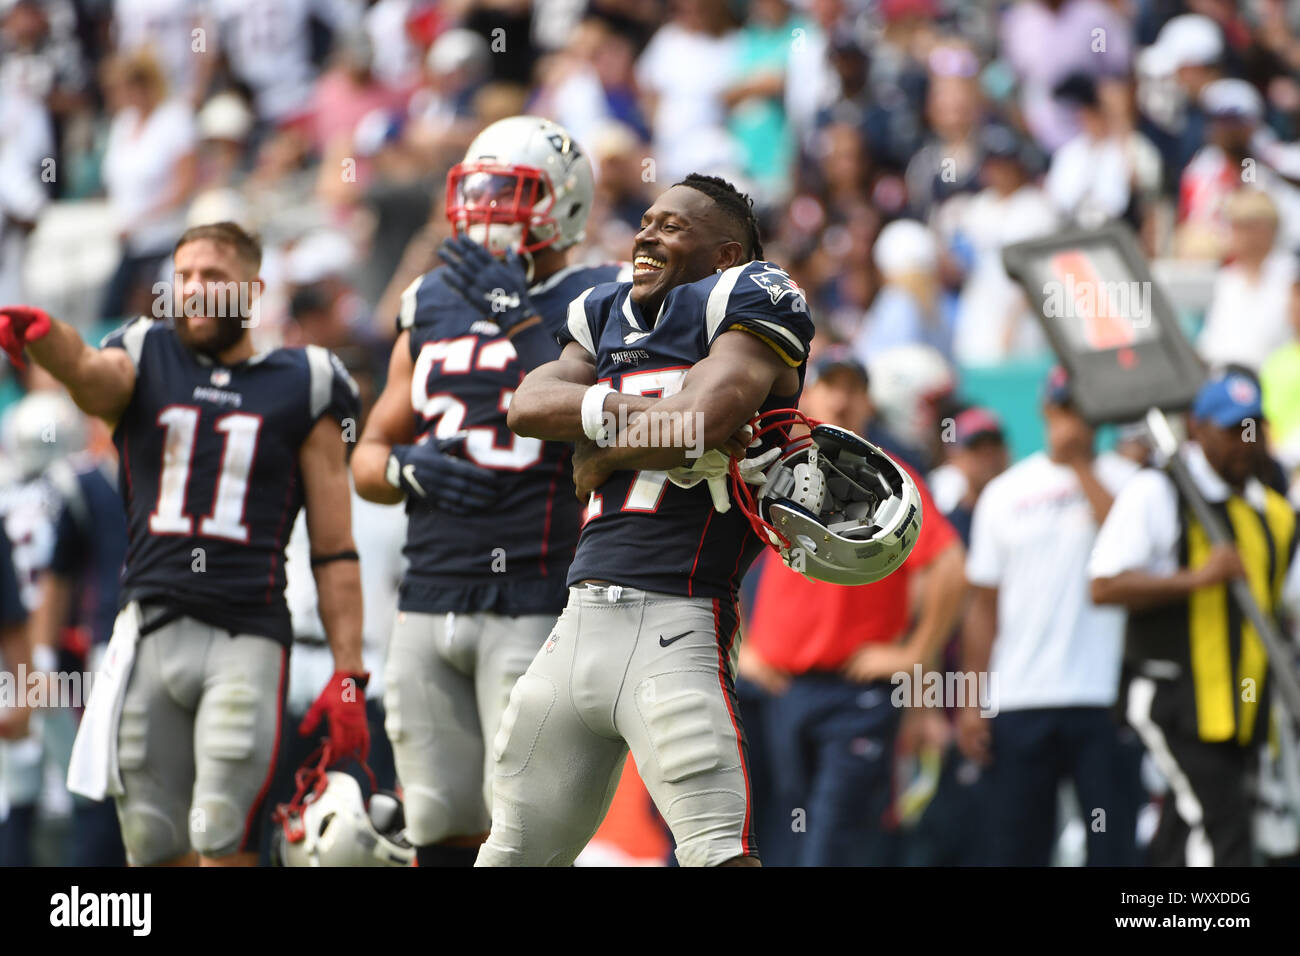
column 226, row 519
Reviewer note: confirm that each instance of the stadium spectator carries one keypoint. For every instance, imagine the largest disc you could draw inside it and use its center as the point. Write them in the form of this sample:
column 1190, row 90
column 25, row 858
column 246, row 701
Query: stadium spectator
column 1189, row 51
column 176, row 33
column 910, row 385
column 1087, row 36
column 976, row 453
column 948, row 163
column 1188, row 651
column 909, row 308
column 756, row 97
column 1053, row 655
column 442, row 107
column 1224, row 165
column 40, row 57
column 149, row 172
column 1248, row 316
column 685, row 102
column 267, row 46
column 1108, row 171
column 1280, row 382
column 991, row 324
column 825, row 655
column 591, row 82
column 347, row 92
column 26, row 150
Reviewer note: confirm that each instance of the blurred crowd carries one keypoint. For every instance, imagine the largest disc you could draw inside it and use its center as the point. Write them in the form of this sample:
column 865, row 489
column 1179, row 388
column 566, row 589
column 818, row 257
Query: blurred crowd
column 893, row 149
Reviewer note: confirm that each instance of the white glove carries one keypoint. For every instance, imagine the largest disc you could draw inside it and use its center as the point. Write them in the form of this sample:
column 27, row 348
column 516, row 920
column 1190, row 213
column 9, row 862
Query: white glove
column 713, row 467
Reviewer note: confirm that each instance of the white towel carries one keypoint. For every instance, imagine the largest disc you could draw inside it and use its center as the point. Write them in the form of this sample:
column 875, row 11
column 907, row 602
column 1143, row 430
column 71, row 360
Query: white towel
column 93, row 771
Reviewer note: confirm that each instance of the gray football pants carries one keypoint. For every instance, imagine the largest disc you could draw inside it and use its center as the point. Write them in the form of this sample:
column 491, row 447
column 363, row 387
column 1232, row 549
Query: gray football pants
column 624, row 669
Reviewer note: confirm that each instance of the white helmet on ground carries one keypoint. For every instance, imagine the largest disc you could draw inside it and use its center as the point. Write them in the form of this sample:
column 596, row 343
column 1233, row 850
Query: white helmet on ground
column 328, row 823
column 836, row 507
column 43, row 427
column 524, row 184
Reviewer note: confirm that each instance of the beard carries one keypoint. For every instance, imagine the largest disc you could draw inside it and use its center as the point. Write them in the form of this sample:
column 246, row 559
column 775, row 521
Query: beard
column 223, row 334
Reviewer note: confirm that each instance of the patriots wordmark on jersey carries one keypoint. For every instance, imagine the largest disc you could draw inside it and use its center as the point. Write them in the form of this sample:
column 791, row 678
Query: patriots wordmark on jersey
column 642, row 530
column 208, row 458
column 511, row 559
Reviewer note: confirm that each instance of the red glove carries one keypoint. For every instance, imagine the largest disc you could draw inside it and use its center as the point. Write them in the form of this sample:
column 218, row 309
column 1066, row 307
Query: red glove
column 344, row 700
column 20, row 324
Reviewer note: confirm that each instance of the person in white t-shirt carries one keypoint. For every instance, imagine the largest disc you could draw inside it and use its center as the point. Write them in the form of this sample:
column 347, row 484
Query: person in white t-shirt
column 1249, row 315
column 1053, row 657
column 682, row 74
column 150, row 167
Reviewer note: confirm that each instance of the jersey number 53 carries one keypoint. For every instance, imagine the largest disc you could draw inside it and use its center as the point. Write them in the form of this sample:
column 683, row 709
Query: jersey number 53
column 457, row 357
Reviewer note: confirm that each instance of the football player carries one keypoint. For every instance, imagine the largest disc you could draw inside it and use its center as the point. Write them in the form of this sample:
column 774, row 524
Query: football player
column 219, row 447
column 643, row 656
column 492, row 523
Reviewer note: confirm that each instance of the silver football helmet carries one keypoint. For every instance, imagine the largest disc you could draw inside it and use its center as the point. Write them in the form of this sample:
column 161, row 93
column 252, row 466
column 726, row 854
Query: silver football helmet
column 328, row 823
column 41, row 428
column 524, row 184
column 836, row 507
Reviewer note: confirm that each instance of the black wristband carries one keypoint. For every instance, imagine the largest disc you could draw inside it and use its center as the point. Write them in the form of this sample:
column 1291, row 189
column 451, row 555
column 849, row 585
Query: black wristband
column 317, row 561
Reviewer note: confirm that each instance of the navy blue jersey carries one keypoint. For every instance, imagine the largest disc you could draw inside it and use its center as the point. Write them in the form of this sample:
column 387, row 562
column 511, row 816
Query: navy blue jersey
column 513, row 558
column 209, row 470
column 12, row 609
column 89, row 541
column 642, row 530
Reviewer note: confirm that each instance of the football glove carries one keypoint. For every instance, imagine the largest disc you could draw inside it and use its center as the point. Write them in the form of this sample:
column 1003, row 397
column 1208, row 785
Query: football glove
column 713, row 467
column 19, row 325
column 344, row 701
column 432, row 475
column 496, row 287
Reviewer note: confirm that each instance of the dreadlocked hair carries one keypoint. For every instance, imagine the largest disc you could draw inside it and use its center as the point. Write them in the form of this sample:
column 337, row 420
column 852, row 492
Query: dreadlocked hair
column 738, row 206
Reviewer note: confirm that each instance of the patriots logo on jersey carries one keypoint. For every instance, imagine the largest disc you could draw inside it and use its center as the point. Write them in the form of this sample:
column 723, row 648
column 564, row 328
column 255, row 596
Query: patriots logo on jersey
column 776, row 284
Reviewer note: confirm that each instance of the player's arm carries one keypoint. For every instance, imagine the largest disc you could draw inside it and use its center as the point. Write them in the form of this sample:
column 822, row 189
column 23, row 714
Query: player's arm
column 721, row 393
column 388, row 467
column 323, row 464
column 390, row 423
column 548, row 403
column 100, row 381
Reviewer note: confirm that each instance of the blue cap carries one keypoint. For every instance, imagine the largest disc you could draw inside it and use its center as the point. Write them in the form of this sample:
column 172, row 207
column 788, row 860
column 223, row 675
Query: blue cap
column 1227, row 399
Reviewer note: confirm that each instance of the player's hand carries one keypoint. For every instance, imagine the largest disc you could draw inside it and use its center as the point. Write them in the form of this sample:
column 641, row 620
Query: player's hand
column 20, row 325
column 1222, row 564
column 343, row 701
column 880, row 661
column 498, row 288
column 430, row 473
column 752, row 667
column 974, row 736
column 590, row 470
